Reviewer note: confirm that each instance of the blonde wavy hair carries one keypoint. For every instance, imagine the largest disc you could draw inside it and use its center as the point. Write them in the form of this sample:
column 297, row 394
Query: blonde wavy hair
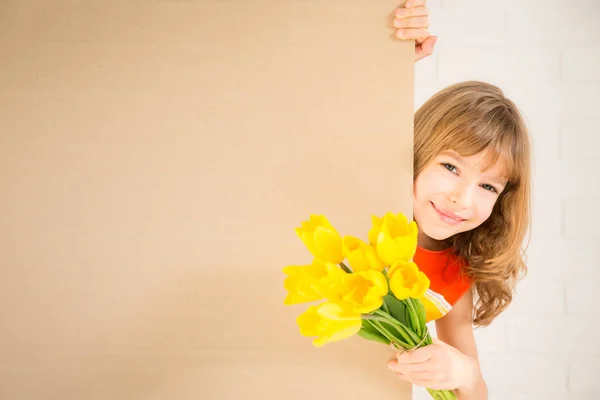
column 470, row 117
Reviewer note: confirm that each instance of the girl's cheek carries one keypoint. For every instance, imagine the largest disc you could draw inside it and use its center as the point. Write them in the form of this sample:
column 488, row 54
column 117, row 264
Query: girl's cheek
column 485, row 209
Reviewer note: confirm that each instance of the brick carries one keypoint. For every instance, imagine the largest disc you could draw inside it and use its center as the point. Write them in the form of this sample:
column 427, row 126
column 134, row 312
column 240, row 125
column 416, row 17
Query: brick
column 535, row 99
column 506, row 4
column 562, row 259
column 580, row 137
column 492, row 63
column 581, row 257
column 582, row 218
column 580, row 63
column 493, row 338
column 577, row 100
column 477, row 25
column 567, row 178
column 582, row 298
column 544, row 130
column 537, row 396
column 562, row 336
column 539, row 297
column 547, row 216
column 583, row 376
column 514, row 372
column 543, row 263
column 555, row 24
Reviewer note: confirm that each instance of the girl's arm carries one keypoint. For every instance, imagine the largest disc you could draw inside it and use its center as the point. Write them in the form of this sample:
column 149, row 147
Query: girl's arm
column 456, row 330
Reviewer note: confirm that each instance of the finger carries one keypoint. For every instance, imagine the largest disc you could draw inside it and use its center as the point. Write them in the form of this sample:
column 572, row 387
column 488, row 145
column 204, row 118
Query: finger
column 397, row 367
column 409, row 33
column 414, row 3
column 416, row 356
column 426, row 367
column 414, row 22
column 422, row 367
column 426, row 48
column 412, row 12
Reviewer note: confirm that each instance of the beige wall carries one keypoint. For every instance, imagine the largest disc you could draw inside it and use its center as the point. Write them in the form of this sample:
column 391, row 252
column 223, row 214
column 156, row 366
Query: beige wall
column 155, row 158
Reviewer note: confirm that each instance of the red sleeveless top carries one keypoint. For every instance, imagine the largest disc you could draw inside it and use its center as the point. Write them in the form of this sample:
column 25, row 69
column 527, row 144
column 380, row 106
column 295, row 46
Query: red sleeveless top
column 448, row 284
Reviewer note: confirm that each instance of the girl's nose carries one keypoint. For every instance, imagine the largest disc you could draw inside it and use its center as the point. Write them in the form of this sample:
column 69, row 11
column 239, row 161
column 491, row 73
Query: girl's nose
column 461, row 196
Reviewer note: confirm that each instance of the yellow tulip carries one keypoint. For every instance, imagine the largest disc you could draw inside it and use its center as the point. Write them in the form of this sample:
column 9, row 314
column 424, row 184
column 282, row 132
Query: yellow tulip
column 306, row 283
column 360, row 255
column 361, row 292
column 407, row 281
column 321, row 239
column 329, row 322
column 394, row 238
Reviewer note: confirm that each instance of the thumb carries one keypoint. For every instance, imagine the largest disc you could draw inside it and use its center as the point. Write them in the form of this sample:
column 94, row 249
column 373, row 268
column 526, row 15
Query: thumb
column 428, row 44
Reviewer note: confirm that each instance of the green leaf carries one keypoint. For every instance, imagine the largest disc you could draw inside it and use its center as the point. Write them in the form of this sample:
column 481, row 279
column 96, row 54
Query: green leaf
column 397, row 308
column 368, row 331
column 366, row 324
column 370, row 335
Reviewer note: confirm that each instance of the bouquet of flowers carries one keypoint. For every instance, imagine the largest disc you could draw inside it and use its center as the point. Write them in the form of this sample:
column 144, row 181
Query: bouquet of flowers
column 377, row 296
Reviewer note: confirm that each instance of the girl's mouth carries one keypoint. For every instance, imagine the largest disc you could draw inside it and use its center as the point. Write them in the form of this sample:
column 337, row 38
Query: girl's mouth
column 447, row 216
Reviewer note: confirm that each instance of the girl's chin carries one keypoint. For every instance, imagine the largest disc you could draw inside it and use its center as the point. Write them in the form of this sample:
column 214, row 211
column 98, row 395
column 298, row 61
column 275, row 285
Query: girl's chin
column 436, row 233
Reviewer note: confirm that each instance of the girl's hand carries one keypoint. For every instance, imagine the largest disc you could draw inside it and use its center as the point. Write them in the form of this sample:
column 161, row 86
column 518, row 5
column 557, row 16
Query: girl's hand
column 437, row 366
column 412, row 22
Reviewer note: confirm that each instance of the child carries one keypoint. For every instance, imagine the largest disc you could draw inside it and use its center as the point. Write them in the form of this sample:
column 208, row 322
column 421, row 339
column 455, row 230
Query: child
column 472, row 207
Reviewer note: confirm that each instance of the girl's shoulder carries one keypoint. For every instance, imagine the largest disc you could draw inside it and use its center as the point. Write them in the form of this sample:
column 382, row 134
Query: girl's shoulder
column 445, row 271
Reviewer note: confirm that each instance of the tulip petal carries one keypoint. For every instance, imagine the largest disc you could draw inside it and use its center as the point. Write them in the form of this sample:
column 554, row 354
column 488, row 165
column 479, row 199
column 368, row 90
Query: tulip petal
column 342, row 332
column 329, row 322
column 374, row 231
column 328, row 245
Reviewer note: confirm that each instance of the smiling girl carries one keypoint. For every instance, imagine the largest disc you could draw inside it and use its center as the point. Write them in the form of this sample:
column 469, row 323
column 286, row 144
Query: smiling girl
column 472, row 207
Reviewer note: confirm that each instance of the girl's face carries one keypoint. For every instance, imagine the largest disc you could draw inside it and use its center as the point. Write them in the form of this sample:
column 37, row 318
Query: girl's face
column 452, row 195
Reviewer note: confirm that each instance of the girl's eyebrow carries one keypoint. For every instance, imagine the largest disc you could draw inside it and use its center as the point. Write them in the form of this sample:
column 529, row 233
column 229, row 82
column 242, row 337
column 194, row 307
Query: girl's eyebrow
column 498, row 180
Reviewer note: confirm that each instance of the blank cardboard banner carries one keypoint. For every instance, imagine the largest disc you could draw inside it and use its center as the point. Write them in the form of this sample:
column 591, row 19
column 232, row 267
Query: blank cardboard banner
column 155, row 159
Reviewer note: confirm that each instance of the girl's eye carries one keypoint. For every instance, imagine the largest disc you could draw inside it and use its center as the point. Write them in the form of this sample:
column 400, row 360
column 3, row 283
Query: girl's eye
column 450, row 167
column 489, row 187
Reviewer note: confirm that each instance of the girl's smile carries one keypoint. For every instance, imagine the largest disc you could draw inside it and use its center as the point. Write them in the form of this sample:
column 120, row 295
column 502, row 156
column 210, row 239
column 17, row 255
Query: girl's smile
column 448, row 217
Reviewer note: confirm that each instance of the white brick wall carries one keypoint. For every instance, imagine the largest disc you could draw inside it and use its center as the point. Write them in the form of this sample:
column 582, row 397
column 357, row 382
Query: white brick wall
column 545, row 54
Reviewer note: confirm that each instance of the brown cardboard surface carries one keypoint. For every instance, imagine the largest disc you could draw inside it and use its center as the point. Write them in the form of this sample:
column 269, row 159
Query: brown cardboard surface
column 155, row 158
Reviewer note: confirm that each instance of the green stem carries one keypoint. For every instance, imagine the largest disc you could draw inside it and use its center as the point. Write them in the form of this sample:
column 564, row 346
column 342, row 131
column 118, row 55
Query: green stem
column 345, row 267
column 406, row 332
column 378, row 325
column 415, row 316
column 382, row 330
column 442, row 394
